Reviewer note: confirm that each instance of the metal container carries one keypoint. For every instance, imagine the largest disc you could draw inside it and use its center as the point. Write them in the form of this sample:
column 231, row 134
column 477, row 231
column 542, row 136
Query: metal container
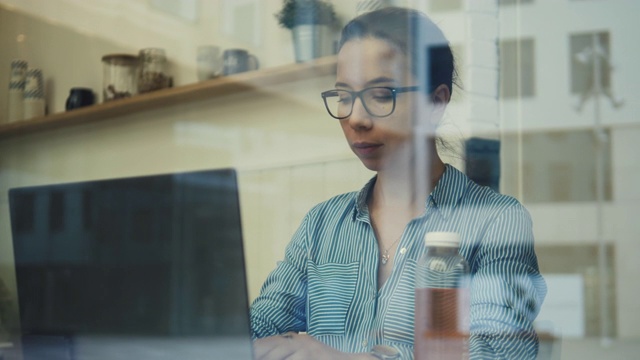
column 312, row 41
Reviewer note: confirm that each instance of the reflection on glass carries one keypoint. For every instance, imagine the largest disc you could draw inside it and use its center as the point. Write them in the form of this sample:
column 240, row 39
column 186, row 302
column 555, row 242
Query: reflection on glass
column 536, row 137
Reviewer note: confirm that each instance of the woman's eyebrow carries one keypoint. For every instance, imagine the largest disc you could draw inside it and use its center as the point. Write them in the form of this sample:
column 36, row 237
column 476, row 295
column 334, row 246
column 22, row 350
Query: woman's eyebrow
column 381, row 79
column 378, row 80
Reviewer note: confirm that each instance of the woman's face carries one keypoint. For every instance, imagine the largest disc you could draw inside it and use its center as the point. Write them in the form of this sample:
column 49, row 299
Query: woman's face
column 377, row 141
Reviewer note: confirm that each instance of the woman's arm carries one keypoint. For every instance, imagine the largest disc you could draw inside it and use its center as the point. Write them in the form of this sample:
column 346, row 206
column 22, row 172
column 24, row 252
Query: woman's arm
column 279, row 313
column 507, row 290
column 300, row 346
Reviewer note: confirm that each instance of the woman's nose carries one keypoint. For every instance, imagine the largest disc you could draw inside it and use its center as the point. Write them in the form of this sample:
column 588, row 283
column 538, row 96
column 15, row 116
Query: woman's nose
column 360, row 117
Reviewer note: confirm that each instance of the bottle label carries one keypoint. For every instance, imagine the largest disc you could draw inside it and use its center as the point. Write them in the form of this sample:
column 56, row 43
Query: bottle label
column 441, row 323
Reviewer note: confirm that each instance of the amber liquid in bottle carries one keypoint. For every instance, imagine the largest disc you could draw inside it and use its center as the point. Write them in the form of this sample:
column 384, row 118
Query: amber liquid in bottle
column 442, row 304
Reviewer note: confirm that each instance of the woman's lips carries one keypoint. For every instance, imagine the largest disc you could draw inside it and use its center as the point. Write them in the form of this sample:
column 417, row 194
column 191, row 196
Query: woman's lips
column 365, row 148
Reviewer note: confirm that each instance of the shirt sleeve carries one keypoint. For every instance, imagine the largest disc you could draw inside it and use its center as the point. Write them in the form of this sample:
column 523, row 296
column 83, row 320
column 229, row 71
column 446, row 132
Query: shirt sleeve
column 281, row 305
column 507, row 289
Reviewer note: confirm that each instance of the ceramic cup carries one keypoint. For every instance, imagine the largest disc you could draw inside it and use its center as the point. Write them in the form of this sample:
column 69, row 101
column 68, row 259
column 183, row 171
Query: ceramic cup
column 80, row 97
column 33, row 100
column 17, row 82
column 237, row 61
column 208, row 62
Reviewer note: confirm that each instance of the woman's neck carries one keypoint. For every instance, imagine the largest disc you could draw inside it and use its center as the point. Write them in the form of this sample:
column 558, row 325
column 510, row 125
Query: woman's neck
column 401, row 188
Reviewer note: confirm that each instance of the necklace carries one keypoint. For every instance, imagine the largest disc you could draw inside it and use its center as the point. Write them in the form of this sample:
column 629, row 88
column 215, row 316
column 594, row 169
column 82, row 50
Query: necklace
column 385, row 256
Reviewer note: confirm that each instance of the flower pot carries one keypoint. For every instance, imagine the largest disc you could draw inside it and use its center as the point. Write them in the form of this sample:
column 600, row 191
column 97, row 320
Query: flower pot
column 364, row 6
column 312, row 41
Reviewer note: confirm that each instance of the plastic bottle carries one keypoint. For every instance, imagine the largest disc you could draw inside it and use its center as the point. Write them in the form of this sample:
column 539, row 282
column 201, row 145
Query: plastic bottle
column 442, row 303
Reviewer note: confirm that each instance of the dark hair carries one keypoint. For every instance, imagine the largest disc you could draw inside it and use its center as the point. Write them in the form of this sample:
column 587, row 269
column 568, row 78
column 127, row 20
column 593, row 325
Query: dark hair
column 417, row 36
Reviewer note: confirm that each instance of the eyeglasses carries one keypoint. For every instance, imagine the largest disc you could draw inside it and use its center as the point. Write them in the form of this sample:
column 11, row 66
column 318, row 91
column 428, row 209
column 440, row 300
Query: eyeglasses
column 379, row 101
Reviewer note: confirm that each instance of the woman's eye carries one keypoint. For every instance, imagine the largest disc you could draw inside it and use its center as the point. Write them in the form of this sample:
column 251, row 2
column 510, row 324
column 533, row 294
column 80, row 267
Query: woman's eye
column 344, row 99
column 383, row 97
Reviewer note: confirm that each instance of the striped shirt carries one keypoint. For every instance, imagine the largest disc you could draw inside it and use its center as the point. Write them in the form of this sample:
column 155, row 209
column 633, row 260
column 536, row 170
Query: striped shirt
column 327, row 284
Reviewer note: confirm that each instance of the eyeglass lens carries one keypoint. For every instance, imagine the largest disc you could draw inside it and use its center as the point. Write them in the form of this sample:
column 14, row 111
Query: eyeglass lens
column 378, row 101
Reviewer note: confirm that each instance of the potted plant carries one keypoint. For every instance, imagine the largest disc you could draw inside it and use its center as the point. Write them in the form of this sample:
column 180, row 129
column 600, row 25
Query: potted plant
column 310, row 22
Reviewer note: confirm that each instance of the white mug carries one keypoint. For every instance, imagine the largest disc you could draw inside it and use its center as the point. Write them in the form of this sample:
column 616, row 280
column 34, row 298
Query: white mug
column 208, row 62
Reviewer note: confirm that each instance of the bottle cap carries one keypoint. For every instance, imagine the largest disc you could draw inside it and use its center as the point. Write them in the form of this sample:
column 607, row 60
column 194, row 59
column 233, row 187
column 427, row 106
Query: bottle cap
column 441, row 238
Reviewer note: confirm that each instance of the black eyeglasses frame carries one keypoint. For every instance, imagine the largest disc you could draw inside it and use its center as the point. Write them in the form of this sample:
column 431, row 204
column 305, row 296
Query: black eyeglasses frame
column 358, row 94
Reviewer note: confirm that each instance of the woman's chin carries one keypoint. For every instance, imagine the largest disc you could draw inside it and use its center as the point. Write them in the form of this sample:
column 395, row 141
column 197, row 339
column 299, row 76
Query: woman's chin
column 371, row 164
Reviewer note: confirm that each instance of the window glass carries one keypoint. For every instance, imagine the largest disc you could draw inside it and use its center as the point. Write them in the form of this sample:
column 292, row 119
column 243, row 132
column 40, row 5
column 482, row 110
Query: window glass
column 517, row 68
column 543, row 114
column 513, row 2
column 558, row 166
column 445, row 5
column 587, row 49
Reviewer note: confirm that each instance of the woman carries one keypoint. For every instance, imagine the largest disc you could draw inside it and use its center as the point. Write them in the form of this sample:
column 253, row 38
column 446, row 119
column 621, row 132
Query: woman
column 347, row 276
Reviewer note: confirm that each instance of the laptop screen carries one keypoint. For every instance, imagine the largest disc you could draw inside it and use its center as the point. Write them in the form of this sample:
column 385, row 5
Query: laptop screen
column 153, row 257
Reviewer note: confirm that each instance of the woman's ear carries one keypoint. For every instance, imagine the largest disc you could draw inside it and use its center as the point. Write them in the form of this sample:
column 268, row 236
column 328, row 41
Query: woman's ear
column 441, row 95
column 439, row 100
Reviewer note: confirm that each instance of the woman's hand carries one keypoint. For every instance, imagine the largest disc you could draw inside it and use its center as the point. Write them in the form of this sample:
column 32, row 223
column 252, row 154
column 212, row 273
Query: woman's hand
column 292, row 346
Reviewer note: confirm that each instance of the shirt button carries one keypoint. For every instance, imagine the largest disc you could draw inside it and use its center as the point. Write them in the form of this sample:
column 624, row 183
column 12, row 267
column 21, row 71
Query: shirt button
column 403, row 250
column 365, row 343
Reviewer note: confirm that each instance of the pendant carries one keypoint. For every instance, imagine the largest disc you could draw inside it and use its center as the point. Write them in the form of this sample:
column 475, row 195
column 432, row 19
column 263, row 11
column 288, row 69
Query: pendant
column 385, row 258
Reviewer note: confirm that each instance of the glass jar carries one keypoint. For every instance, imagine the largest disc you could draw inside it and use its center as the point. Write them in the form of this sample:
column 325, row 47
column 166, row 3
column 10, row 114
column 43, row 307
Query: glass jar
column 119, row 76
column 152, row 74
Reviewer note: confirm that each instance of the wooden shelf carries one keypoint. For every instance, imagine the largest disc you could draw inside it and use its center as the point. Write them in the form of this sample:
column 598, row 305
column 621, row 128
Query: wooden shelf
column 222, row 86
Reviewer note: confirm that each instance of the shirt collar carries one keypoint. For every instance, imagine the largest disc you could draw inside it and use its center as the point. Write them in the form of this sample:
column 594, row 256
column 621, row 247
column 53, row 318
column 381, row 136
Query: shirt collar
column 444, row 198
column 361, row 211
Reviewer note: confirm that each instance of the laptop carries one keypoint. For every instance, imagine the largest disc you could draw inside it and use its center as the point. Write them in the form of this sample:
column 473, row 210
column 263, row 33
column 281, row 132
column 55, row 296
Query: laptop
column 147, row 267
